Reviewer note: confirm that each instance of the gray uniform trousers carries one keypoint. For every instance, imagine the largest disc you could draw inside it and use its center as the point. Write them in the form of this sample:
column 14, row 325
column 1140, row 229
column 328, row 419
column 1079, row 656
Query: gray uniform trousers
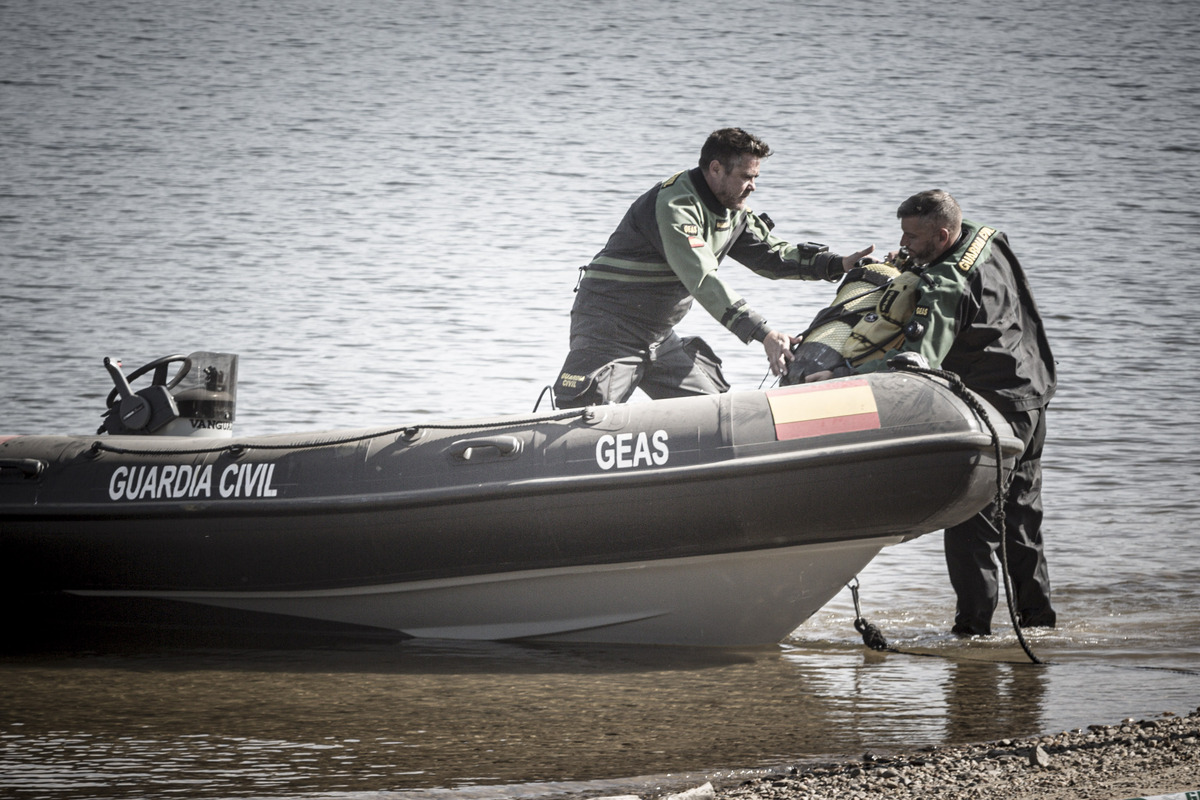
column 606, row 364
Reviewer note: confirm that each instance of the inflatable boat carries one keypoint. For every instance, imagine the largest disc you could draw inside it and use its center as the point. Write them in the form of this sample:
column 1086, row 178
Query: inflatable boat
column 719, row 520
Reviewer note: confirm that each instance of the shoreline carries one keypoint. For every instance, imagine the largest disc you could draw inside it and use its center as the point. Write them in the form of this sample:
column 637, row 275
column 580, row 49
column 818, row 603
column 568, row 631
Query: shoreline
column 1148, row 758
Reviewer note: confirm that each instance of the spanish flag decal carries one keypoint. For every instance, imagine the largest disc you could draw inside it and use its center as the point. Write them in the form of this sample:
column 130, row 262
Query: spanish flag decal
column 817, row 409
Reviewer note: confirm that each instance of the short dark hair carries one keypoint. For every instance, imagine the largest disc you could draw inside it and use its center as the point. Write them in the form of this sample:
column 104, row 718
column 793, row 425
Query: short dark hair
column 935, row 206
column 728, row 145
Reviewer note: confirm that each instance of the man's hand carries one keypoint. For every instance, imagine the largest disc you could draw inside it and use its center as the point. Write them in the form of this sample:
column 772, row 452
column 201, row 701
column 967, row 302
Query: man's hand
column 779, row 351
column 849, row 261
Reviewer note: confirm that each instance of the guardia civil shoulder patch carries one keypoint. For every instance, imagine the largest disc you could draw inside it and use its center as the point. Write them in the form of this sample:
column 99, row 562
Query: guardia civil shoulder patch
column 973, row 251
column 690, row 229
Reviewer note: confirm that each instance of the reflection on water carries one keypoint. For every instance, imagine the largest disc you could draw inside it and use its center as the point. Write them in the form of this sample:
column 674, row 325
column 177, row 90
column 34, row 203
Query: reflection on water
column 140, row 720
column 982, row 699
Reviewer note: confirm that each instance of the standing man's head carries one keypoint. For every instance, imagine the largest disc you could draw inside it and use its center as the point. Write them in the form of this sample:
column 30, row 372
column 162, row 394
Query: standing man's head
column 931, row 222
column 730, row 159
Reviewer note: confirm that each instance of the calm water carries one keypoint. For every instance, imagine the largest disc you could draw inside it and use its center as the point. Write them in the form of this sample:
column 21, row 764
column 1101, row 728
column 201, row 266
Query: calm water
column 381, row 206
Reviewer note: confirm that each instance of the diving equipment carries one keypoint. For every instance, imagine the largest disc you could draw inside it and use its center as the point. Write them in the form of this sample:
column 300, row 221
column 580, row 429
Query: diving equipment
column 869, row 316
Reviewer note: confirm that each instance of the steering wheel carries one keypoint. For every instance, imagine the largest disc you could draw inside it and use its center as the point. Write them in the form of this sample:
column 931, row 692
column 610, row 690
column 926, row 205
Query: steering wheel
column 159, row 366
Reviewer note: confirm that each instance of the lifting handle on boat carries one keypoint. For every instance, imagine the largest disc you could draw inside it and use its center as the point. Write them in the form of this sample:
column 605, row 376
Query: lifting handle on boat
column 21, row 468
column 468, row 449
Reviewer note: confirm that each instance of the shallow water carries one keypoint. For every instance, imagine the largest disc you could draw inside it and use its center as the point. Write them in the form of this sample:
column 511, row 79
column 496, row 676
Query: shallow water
column 381, row 208
column 518, row 720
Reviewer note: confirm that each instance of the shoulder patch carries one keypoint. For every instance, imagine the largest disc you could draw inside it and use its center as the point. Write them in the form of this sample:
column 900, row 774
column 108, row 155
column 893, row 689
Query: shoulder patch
column 723, row 225
column 672, row 179
column 690, row 229
column 696, row 241
column 977, row 244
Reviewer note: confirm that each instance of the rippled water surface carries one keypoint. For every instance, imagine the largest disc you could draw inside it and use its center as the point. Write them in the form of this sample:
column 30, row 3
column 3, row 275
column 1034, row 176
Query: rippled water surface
column 381, row 208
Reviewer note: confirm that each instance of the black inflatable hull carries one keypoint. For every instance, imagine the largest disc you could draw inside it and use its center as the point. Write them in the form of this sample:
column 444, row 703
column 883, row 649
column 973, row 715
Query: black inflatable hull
column 721, row 520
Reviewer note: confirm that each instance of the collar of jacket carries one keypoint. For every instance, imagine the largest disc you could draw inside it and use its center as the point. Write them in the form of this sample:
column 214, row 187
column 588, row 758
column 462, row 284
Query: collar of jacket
column 705, row 193
column 951, row 250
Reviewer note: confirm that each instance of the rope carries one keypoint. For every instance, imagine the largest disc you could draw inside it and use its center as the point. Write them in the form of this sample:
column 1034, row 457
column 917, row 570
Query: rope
column 239, row 448
column 546, row 390
column 997, row 522
column 874, row 639
column 872, row 636
column 869, row 632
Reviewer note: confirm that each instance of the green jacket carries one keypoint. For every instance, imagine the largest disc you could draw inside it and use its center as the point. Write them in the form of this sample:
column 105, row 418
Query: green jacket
column 976, row 317
column 667, row 250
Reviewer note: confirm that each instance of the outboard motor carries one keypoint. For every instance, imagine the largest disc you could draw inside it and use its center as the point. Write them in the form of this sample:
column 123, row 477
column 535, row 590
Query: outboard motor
column 198, row 400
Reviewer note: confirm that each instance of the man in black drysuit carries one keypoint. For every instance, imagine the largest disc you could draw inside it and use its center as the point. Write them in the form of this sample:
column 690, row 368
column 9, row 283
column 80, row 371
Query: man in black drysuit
column 976, row 317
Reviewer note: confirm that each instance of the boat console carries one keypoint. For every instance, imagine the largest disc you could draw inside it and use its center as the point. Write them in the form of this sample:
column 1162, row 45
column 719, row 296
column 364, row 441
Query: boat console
column 198, row 400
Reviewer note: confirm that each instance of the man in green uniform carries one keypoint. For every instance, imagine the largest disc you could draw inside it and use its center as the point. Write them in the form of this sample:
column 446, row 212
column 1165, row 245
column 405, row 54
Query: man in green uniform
column 663, row 255
column 976, row 317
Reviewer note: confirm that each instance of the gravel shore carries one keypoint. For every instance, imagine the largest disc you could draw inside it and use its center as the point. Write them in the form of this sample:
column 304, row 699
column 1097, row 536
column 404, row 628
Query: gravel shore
column 1147, row 758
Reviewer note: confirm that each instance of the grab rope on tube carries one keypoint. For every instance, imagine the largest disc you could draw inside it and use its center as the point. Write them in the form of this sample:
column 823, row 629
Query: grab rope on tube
column 408, row 431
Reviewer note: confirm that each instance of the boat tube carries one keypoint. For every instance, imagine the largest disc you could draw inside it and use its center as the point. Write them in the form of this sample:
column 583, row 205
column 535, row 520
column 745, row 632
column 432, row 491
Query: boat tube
column 715, row 520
